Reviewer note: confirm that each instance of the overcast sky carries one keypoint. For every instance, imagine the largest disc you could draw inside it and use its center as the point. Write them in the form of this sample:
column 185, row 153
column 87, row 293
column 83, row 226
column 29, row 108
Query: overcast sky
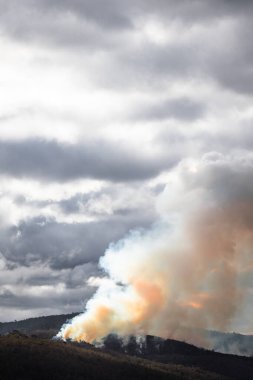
column 99, row 101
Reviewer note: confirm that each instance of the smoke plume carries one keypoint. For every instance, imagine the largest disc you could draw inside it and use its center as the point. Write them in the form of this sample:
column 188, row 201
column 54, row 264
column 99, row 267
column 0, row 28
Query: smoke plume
column 185, row 272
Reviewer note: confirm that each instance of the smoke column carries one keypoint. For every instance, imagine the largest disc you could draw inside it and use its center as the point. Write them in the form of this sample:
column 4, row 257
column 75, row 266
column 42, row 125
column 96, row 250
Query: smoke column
column 184, row 273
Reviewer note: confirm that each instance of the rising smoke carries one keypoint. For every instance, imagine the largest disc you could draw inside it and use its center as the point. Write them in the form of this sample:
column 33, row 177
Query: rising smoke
column 185, row 272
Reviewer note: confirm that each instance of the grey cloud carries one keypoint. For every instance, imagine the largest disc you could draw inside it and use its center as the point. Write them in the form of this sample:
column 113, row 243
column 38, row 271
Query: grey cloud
column 72, row 277
column 35, row 279
column 110, row 200
column 73, row 205
column 80, row 203
column 232, row 67
column 33, row 286
column 183, row 109
column 61, row 245
column 148, row 65
column 49, row 160
column 194, row 10
column 176, row 58
column 9, row 299
column 229, row 178
column 110, row 14
column 41, row 252
column 39, row 289
column 108, row 26
column 78, row 276
column 236, row 138
column 65, row 23
column 228, row 63
column 116, row 199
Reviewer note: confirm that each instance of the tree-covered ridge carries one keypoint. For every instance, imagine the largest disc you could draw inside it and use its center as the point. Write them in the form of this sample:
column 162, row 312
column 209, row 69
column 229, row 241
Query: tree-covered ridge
column 33, row 358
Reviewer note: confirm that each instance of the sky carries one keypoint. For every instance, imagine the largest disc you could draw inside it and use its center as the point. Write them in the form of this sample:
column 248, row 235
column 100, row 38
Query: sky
column 100, row 101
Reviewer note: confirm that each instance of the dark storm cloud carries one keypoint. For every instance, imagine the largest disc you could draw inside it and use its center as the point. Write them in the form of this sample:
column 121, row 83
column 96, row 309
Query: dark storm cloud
column 183, row 109
column 49, row 160
column 62, row 245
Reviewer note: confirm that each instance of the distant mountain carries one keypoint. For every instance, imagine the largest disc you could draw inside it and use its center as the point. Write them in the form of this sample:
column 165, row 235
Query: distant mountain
column 45, row 327
column 231, row 343
column 27, row 358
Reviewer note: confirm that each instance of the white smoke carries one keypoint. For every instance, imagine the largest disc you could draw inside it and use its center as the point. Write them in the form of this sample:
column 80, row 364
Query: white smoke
column 182, row 274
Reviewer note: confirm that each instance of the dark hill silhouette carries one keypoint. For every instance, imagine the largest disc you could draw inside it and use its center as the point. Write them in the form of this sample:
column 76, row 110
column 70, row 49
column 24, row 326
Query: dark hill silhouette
column 172, row 351
column 41, row 359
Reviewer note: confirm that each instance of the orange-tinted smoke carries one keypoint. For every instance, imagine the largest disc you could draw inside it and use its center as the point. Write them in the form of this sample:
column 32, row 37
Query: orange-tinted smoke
column 170, row 282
